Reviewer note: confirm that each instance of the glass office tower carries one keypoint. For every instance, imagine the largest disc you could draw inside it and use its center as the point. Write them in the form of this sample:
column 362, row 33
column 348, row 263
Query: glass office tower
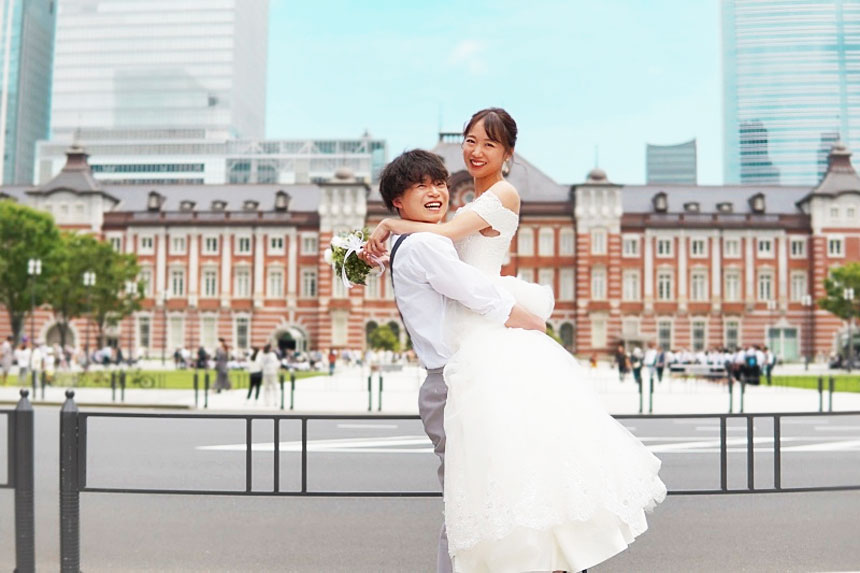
column 791, row 87
column 27, row 45
column 671, row 163
column 133, row 68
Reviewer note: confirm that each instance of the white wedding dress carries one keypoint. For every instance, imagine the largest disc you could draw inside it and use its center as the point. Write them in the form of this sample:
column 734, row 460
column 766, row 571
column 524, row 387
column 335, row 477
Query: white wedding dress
column 538, row 477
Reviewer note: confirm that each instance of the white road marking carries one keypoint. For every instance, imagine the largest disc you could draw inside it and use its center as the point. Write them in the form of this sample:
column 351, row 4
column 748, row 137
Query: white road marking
column 728, row 428
column 836, row 428
column 369, row 426
column 386, row 445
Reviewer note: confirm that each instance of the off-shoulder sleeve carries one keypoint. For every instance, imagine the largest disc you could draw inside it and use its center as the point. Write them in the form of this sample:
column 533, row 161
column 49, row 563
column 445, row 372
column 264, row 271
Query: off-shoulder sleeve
column 490, row 208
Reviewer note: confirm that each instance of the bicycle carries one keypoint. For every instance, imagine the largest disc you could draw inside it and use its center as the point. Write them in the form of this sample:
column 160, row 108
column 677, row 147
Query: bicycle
column 138, row 378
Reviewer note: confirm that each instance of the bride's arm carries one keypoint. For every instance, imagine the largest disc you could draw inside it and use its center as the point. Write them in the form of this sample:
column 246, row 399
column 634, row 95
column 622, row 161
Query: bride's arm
column 460, row 226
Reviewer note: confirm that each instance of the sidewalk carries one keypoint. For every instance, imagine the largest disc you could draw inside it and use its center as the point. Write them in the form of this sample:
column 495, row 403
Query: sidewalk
column 346, row 393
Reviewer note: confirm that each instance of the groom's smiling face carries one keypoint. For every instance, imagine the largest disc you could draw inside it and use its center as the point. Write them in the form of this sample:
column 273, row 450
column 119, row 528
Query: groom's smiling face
column 425, row 201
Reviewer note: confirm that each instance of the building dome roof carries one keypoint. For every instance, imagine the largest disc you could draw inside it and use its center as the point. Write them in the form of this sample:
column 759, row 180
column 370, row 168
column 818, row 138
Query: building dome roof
column 344, row 174
column 597, row 175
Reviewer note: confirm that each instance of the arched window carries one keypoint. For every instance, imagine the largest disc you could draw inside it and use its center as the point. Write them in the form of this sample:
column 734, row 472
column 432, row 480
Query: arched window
column 395, row 328
column 368, row 330
column 566, row 335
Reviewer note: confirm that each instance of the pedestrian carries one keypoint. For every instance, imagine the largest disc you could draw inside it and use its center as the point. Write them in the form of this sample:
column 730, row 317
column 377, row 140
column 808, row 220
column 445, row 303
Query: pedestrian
column 332, row 361
column 650, row 362
column 202, row 362
column 622, row 362
column 270, row 364
column 50, row 366
column 636, row 363
column 222, row 355
column 255, row 373
column 36, row 362
column 660, row 364
column 6, row 357
column 22, row 359
column 769, row 363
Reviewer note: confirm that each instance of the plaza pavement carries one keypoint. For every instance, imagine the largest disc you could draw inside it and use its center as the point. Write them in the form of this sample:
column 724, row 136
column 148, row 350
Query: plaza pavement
column 346, row 393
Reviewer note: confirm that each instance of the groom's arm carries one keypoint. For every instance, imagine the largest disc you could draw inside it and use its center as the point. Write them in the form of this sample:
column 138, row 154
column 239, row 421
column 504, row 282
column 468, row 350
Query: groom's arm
column 459, row 281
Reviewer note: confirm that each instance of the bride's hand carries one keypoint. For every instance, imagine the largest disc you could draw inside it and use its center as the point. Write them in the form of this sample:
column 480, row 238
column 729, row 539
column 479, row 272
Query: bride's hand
column 376, row 242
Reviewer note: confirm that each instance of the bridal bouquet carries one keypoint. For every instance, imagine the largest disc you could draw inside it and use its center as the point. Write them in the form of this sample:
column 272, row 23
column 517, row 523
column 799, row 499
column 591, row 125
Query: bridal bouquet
column 343, row 257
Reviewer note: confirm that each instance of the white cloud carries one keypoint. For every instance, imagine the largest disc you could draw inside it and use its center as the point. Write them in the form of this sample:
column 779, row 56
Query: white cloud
column 470, row 55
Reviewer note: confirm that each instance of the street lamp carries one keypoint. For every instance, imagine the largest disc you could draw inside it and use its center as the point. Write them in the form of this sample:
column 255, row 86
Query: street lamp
column 848, row 295
column 89, row 281
column 34, row 269
column 130, row 290
column 806, row 301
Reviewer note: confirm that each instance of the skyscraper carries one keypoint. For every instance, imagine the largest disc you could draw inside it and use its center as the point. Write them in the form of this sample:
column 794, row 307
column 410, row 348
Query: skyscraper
column 671, row 163
column 27, row 45
column 131, row 69
column 791, row 79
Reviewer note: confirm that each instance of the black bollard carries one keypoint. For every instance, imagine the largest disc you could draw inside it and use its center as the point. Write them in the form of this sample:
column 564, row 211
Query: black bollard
column 370, row 392
column 651, row 396
column 70, row 483
column 379, row 402
column 731, row 393
column 830, row 384
column 113, row 386
column 292, row 388
column 640, row 397
column 196, row 387
column 821, row 393
column 44, row 383
column 281, row 381
column 33, row 375
column 22, row 454
column 206, row 390
column 743, row 392
column 122, row 386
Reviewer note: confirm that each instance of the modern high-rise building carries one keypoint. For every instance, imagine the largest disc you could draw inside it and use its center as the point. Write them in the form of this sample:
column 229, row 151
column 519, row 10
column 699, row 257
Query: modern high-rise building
column 137, row 66
column 27, row 46
column 671, row 163
column 791, row 79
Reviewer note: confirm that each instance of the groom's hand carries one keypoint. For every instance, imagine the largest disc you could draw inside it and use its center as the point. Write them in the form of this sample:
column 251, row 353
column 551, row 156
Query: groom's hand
column 376, row 242
column 521, row 318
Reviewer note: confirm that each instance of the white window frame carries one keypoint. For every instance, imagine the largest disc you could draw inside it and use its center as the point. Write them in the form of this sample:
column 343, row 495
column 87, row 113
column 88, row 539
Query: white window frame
column 525, row 241
column 763, row 253
column 309, row 282
column 599, row 241
column 630, row 246
column 699, row 293
column 371, row 289
column 275, row 289
column 728, row 295
column 735, row 251
column 669, row 252
column 567, row 242
column 206, row 246
column 698, row 253
column 145, row 276
column 832, row 241
column 115, row 242
column 238, row 274
column 147, row 244
column 694, row 323
column 181, row 248
column 546, row 242
column 667, row 296
column 598, row 283
column 178, row 277
column 567, row 285
column 138, row 326
column 236, row 319
column 599, row 333
column 172, row 342
column 663, row 322
column 244, row 244
column 203, row 291
column 630, row 285
column 726, row 324
column 338, row 289
column 309, row 244
column 799, row 285
column 274, row 249
column 761, row 293
column 526, row 274
column 802, row 251
column 209, row 339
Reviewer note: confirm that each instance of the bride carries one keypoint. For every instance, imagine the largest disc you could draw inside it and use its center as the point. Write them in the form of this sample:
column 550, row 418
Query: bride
column 539, row 477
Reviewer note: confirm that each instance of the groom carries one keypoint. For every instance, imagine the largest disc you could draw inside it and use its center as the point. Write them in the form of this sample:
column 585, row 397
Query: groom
column 426, row 272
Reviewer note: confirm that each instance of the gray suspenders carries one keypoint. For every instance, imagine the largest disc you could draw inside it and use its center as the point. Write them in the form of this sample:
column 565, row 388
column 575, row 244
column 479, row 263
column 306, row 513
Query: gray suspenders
column 393, row 252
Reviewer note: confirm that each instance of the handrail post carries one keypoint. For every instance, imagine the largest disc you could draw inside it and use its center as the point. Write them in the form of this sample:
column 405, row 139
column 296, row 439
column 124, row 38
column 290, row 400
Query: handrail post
column 281, row 382
column 113, row 386
column 24, row 477
column 70, row 502
column 731, row 393
column 292, row 388
column 196, row 387
column 821, row 393
column 122, row 386
column 370, row 391
column 650, row 396
column 44, row 382
column 640, row 396
column 379, row 402
column 206, row 390
column 830, row 384
column 743, row 392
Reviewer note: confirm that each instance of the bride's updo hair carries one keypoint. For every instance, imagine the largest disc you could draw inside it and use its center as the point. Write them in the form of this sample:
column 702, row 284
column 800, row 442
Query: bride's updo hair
column 498, row 124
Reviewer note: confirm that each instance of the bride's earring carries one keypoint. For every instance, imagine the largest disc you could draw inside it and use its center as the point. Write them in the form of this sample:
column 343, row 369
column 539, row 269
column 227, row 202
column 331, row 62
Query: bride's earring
column 506, row 166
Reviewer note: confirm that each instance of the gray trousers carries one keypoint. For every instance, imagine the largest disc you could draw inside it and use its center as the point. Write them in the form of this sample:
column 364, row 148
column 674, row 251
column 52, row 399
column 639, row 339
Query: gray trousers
column 431, row 407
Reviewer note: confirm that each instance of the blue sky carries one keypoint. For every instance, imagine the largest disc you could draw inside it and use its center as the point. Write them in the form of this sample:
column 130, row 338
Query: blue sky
column 576, row 75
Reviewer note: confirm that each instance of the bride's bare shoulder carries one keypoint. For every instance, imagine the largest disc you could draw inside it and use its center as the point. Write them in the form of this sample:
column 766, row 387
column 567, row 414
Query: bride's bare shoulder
column 507, row 194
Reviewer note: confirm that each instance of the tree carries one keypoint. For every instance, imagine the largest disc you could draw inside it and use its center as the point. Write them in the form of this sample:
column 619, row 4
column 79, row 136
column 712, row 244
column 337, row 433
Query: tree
column 550, row 331
column 847, row 276
column 109, row 301
column 24, row 234
column 383, row 338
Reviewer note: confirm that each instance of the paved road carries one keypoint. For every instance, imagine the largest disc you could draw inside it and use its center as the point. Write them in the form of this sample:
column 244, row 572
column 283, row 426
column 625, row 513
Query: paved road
column 773, row 532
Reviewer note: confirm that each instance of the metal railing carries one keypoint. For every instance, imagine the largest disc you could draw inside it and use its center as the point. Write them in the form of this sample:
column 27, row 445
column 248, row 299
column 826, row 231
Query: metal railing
column 20, row 476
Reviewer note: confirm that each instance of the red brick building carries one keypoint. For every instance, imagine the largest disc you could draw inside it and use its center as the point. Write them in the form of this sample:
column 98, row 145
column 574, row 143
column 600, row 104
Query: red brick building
column 686, row 266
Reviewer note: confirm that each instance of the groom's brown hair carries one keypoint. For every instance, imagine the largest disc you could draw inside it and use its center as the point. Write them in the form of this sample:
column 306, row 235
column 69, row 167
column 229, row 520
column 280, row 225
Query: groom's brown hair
column 407, row 169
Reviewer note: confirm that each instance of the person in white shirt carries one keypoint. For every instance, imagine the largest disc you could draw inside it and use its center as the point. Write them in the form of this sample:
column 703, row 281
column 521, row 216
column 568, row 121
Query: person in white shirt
column 650, row 362
column 36, row 361
column 427, row 273
column 270, row 364
column 769, row 362
column 6, row 357
column 22, row 358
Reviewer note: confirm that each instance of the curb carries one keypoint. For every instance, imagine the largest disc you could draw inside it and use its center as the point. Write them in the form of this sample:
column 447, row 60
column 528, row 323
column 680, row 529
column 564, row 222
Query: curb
column 104, row 405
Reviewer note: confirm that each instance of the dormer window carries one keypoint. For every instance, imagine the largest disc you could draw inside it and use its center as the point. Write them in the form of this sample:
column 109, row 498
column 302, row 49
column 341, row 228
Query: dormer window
column 692, row 207
column 757, row 203
column 660, row 202
column 218, row 205
column 724, row 207
column 282, row 201
column 250, row 205
column 154, row 201
column 187, row 206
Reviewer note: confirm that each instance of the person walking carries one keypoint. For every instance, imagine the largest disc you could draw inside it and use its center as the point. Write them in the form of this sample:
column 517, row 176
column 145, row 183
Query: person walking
column 622, row 361
column 255, row 373
column 270, row 365
column 22, row 359
column 650, row 361
column 769, row 363
column 222, row 380
column 6, row 356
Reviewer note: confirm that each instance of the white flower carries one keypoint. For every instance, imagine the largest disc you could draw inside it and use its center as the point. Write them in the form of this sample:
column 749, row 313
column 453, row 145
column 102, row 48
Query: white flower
column 327, row 256
column 339, row 242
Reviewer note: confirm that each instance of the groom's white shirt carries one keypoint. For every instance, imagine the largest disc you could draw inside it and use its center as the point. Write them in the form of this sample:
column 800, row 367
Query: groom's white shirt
column 426, row 272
